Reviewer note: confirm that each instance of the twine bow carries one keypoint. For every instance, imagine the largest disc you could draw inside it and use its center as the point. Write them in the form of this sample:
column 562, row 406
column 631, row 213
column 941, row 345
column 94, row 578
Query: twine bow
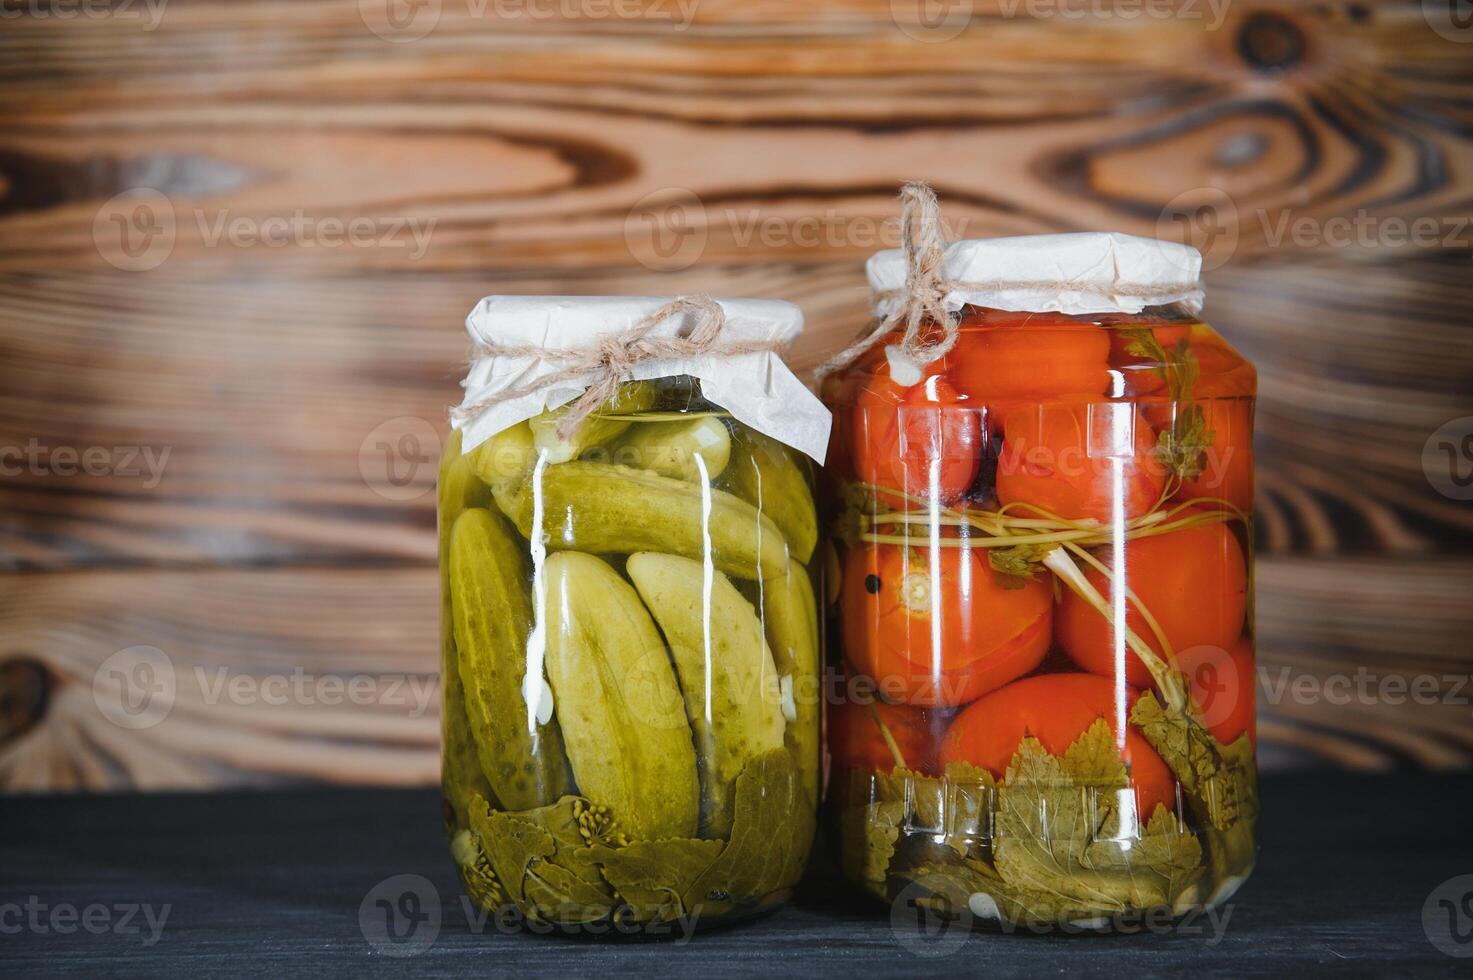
column 930, row 329
column 611, row 360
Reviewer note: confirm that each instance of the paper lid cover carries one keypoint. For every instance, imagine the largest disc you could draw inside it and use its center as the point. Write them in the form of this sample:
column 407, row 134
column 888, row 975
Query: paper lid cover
column 758, row 389
column 1084, row 272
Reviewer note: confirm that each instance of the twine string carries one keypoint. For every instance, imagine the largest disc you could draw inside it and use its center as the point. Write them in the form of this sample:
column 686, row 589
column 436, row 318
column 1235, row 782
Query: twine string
column 606, row 364
column 930, row 328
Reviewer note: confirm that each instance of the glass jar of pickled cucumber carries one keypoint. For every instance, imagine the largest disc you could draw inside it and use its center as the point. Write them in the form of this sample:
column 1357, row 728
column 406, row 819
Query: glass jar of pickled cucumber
column 630, row 629
column 1045, row 609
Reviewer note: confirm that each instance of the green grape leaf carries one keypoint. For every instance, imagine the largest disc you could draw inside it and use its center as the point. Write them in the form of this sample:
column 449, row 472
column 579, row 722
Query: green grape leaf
column 978, row 887
column 1220, row 781
column 653, row 877
column 1063, row 830
column 772, row 830
column 1015, row 567
column 475, row 869
column 1220, row 777
column 535, row 854
column 867, row 838
column 511, row 844
column 954, row 810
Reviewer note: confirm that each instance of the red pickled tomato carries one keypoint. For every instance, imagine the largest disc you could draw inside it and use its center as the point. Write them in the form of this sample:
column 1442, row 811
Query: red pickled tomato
column 1055, row 709
column 1194, row 581
column 1027, row 357
column 1222, row 686
column 1227, row 465
column 923, row 440
column 856, row 742
column 939, row 636
column 1061, row 458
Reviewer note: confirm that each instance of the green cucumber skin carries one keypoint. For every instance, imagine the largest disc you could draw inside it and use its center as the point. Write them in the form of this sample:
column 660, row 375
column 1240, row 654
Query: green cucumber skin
column 632, row 397
column 618, row 702
column 765, row 474
column 790, row 618
column 493, row 617
column 461, row 779
column 671, row 448
column 601, row 508
column 743, row 717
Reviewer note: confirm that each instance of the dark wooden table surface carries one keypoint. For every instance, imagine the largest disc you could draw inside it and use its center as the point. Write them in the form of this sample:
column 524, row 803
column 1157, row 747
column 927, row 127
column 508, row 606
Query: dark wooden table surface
column 272, row 884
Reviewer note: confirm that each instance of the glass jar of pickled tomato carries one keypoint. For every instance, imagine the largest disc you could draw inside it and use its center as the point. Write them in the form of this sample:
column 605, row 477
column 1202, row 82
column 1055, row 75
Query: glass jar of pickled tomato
column 1045, row 615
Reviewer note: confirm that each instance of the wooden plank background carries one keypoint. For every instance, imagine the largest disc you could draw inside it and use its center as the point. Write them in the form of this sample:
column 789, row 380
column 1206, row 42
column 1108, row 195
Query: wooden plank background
column 754, row 149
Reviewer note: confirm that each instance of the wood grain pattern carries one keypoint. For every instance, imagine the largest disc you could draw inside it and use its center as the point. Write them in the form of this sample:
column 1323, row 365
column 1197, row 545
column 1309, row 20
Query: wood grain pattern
column 754, row 151
column 265, row 665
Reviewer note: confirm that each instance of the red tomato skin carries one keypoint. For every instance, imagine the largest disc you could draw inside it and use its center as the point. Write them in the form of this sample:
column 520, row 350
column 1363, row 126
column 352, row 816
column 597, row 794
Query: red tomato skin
column 1061, row 457
column 1055, row 709
column 987, row 634
column 856, row 742
column 1223, row 686
column 1029, row 358
column 1194, row 581
column 925, row 440
column 1227, row 467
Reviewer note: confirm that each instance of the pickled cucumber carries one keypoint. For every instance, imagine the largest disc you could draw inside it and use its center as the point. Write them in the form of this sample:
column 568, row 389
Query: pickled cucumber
column 458, row 488
column 504, row 462
column 790, row 618
column 522, row 759
column 617, row 701
column 768, row 475
column 632, row 397
column 726, row 673
column 671, row 448
column 602, row 508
